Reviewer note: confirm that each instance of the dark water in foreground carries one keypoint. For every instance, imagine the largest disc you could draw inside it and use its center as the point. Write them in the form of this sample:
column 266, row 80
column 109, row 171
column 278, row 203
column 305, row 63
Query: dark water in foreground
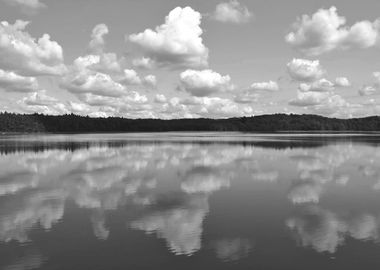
column 190, row 201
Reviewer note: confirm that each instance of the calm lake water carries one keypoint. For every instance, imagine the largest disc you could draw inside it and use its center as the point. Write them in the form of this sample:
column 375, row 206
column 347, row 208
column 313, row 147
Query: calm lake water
column 190, row 201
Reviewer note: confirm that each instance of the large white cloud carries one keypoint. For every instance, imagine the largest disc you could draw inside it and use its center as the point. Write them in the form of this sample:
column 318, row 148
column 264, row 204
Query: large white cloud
column 27, row 6
column 232, row 12
column 305, row 70
column 99, row 73
column 21, row 53
column 177, row 42
column 325, row 31
column 205, row 82
column 12, row 82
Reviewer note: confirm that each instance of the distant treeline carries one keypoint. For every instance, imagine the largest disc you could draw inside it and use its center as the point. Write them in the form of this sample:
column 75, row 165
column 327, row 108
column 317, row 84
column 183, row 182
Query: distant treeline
column 11, row 122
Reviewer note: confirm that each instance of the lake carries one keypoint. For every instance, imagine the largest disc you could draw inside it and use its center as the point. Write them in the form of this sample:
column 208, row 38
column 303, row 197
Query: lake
column 190, row 201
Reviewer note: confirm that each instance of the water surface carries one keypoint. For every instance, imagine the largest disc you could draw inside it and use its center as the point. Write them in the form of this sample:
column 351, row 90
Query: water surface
column 190, row 201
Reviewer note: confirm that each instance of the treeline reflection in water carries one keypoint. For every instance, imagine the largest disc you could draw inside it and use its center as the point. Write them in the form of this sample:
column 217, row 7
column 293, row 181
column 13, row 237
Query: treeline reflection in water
column 186, row 197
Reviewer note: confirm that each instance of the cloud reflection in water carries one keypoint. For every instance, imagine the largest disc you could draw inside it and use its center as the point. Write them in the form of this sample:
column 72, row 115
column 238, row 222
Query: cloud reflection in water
column 36, row 186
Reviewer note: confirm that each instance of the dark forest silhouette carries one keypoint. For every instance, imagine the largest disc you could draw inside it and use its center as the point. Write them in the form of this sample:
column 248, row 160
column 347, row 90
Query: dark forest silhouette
column 27, row 123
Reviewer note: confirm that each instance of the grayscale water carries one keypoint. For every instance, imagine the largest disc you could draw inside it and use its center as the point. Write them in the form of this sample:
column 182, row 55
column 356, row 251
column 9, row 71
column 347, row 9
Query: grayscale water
column 190, row 201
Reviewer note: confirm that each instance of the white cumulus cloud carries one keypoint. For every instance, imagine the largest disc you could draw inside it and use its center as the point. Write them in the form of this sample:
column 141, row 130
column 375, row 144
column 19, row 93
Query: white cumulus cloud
column 265, row 86
column 305, row 70
column 94, row 83
column 342, row 82
column 21, row 53
column 177, row 42
column 143, row 63
column 150, row 80
column 321, row 85
column 232, row 12
column 205, row 82
column 159, row 98
column 325, row 31
column 131, row 77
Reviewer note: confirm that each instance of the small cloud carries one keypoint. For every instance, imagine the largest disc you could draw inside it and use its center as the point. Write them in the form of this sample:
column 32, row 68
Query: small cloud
column 97, row 42
column 270, row 86
column 342, row 82
column 247, row 96
column 143, row 63
column 205, row 82
column 160, row 99
column 305, row 99
column 232, row 12
column 367, row 90
column 321, row 85
column 130, row 77
column 150, row 80
column 29, row 7
column 305, row 70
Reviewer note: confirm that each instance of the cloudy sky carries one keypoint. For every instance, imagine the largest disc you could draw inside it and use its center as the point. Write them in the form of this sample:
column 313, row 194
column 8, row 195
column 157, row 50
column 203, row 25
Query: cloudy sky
column 194, row 58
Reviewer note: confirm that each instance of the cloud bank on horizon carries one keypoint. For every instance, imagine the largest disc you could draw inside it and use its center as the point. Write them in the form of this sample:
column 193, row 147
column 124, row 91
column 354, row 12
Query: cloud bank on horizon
column 180, row 65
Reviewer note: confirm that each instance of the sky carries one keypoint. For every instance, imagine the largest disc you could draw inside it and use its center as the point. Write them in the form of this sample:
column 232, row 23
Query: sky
column 189, row 59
